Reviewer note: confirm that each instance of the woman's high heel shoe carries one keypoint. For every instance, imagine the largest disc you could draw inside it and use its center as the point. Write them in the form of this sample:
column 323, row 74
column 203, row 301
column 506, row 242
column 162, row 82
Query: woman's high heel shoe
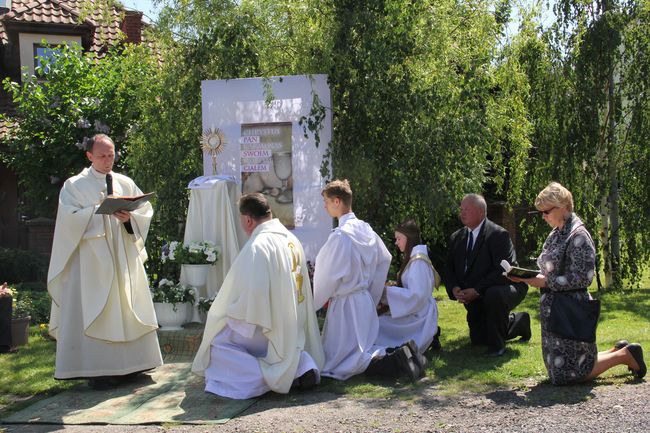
column 636, row 351
column 620, row 344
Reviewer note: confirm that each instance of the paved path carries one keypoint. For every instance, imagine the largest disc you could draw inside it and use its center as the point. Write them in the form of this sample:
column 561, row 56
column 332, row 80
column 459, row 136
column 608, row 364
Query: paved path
column 540, row 408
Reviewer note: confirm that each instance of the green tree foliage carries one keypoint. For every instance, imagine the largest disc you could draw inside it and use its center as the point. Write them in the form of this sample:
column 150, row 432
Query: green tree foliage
column 422, row 114
column 427, row 105
column 196, row 41
column 589, row 104
column 72, row 97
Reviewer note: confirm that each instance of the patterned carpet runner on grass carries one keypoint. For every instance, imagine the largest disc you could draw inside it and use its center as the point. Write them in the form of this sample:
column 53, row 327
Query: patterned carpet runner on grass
column 168, row 394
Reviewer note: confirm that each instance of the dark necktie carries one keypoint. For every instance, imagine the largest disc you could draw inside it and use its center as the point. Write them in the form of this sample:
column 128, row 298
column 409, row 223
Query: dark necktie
column 470, row 246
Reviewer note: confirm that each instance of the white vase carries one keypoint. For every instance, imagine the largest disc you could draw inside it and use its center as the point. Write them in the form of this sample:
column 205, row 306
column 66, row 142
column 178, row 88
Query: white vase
column 168, row 319
column 203, row 316
column 196, row 275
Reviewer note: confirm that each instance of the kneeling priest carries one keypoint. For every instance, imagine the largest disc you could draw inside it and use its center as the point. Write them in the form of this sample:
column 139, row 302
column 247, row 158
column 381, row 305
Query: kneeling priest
column 261, row 332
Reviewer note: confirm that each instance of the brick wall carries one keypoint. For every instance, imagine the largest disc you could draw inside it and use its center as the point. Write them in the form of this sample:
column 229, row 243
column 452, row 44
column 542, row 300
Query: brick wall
column 510, row 220
column 132, row 26
column 40, row 234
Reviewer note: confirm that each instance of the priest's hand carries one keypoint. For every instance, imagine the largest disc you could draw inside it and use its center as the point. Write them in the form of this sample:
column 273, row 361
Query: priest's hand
column 123, row 216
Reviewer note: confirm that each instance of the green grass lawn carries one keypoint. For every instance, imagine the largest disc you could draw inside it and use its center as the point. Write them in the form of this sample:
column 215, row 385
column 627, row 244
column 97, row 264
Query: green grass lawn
column 28, row 374
column 459, row 367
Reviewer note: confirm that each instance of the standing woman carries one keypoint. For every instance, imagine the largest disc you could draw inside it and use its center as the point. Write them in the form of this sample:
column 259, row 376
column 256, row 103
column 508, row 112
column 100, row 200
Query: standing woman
column 413, row 312
column 567, row 264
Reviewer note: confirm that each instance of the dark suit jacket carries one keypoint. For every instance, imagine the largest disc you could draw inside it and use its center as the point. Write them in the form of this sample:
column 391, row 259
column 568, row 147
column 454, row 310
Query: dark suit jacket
column 484, row 269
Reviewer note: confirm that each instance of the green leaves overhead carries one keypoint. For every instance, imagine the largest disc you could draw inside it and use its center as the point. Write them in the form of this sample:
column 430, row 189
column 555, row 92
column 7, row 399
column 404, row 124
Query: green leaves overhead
column 429, row 102
column 72, row 97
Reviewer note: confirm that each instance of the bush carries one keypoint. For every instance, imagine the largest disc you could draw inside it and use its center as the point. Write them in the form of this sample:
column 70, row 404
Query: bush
column 39, row 286
column 73, row 96
column 32, row 303
column 41, row 305
column 18, row 266
column 22, row 307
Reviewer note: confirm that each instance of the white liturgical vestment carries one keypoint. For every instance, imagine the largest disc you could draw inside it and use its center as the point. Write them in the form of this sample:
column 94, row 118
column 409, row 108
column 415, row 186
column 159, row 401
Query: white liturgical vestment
column 261, row 331
column 413, row 310
column 102, row 314
column 350, row 272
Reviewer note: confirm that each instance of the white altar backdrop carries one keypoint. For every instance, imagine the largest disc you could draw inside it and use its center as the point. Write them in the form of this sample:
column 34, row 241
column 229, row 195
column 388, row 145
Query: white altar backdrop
column 228, row 104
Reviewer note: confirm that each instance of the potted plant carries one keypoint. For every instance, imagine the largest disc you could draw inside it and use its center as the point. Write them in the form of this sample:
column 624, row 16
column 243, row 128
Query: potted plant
column 195, row 258
column 203, row 306
column 172, row 302
column 20, row 317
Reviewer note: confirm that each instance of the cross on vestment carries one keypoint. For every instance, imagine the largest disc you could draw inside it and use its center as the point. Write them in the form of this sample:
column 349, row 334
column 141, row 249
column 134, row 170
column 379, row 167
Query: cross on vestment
column 295, row 268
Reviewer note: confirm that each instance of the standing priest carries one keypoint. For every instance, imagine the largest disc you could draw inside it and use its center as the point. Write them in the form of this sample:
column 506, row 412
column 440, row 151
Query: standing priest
column 102, row 314
column 261, row 333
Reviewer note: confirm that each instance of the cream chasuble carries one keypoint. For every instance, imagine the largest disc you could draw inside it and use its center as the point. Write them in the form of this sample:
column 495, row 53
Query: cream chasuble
column 350, row 272
column 268, row 287
column 413, row 310
column 102, row 314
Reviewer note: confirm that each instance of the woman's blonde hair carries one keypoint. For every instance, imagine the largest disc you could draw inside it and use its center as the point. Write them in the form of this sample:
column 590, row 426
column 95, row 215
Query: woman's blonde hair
column 554, row 195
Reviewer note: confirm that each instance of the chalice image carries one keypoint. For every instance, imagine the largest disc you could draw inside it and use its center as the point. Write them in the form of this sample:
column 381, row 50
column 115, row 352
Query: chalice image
column 282, row 167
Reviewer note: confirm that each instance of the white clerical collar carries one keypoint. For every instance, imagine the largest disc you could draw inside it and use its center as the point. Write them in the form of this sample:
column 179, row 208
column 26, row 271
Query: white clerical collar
column 344, row 218
column 97, row 174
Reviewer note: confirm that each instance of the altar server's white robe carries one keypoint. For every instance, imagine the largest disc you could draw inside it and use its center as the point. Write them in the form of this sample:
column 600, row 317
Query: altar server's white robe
column 413, row 310
column 102, row 314
column 261, row 331
column 350, row 272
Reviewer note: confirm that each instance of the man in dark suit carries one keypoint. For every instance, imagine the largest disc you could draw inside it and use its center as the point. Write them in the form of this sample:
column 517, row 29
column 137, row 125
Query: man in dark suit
column 474, row 277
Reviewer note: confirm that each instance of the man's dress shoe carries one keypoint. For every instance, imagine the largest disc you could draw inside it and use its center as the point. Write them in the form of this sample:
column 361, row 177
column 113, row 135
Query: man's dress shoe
column 495, row 353
column 408, row 363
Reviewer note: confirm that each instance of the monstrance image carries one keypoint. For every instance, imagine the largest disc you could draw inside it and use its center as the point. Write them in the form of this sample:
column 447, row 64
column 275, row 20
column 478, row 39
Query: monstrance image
column 213, row 142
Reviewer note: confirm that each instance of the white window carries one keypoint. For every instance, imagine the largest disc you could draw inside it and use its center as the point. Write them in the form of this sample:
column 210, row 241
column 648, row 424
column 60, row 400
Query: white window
column 5, row 4
column 30, row 42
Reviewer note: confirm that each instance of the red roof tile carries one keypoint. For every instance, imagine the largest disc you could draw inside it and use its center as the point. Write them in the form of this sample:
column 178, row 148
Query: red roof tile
column 44, row 11
column 67, row 12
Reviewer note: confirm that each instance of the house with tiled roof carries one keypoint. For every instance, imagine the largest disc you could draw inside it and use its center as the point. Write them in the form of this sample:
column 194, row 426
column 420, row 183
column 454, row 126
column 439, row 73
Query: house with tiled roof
column 24, row 25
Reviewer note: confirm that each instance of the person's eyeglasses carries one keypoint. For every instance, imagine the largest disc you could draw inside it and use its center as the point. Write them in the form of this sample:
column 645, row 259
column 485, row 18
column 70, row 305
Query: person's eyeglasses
column 548, row 211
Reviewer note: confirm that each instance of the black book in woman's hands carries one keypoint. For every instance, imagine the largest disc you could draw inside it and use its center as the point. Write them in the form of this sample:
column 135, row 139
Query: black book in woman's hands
column 110, row 205
column 515, row 271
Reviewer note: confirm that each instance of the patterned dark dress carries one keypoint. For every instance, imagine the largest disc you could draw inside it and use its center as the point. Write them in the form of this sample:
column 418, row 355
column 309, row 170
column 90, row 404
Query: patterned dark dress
column 566, row 360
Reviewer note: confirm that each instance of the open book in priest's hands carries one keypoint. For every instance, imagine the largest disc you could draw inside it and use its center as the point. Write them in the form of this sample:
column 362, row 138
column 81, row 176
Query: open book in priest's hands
column 515, row 271
column 113, row 204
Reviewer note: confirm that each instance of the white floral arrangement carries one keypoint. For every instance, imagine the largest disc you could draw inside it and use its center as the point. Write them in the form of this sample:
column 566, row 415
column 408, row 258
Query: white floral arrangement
column 204, row 304
column 172, row 293
column 196, row 253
